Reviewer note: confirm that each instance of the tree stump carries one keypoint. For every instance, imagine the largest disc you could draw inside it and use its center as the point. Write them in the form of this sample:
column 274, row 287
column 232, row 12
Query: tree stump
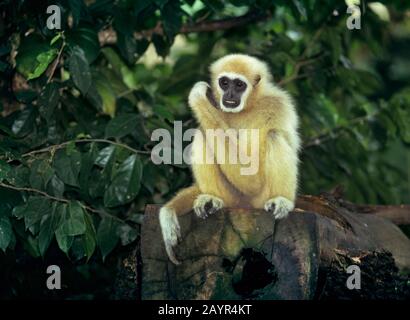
column 244, row 254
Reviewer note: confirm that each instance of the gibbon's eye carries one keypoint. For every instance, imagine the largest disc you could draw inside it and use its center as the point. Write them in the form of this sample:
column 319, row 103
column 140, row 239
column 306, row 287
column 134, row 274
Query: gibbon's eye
column 240, row 85
column 223, row 82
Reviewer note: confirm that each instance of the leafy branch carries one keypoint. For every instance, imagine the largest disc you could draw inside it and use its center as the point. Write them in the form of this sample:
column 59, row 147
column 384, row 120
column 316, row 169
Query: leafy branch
column 58, row 58
column 62, row 145
column 109, row 36
column 337, row 131
column 53, row 198
column 304, row 60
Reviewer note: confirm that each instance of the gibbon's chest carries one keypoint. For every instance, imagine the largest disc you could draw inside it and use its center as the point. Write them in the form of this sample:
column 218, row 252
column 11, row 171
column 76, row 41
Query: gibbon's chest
column 240, row 153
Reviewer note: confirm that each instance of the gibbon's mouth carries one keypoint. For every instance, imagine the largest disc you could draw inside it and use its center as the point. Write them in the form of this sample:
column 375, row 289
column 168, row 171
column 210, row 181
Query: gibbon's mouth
column 228, row 103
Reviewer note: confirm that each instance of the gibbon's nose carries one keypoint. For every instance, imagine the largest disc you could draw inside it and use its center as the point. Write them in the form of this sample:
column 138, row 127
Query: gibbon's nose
column 230, row 95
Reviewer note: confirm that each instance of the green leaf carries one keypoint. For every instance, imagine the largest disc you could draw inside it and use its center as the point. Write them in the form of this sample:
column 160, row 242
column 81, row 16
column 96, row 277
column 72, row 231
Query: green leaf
column 64, row 241
column 300, row 9
column 79, row 70
column 55, row 38
column 121, row 125
column 123, row 71
column 162, row 46
column 105, row 156
column 126, row 183
column 163, row 112
column 47, row 228
column 77, row 8
column 6, row 233
column 87, row 164
column 87, row 40
column 48, row 100
column 94, row 97
column 107, row 235
column 32, row 47
column 89, row 237
column 5, row 170
column 172, row 18
column 68, row 166
column 107, row 95
column 40, row 174
column 31, row 246
column 141, row 5
column 126, row 233
column 36, row 208
column 55, row 187
column 73, row 223
column 19, row 176
column 43, row 61
column 99, row 180
column 23, row 124
column 128, row 47
column 9, row 199
column 136, row 218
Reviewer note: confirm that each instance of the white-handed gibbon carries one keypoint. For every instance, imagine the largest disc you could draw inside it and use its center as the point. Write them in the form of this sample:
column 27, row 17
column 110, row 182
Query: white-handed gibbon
column 241, row 96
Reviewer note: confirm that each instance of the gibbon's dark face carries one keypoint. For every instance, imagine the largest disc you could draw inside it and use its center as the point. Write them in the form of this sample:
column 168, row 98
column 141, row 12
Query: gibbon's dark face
column 232, row 91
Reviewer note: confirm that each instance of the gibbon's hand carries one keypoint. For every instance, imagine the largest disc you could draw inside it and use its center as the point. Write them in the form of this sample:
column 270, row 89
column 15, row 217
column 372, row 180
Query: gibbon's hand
column 206, row 204
column 201, row 91
column 279, row 207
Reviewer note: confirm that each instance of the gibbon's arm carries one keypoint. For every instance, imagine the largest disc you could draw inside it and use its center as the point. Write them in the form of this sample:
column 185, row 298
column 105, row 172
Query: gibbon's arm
column 203, row 108
column 277, row 115
column 206, row 108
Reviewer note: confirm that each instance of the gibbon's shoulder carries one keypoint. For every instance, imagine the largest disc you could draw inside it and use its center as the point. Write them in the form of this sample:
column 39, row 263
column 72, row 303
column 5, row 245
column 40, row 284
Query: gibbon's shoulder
column 276, row 96
column 276, row 103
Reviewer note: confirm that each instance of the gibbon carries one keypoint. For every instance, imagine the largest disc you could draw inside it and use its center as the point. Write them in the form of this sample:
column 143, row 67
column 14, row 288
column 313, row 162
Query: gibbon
column 241, row 96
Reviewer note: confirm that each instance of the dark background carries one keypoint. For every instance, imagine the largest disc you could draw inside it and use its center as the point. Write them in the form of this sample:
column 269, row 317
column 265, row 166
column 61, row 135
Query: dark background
column 78, row 106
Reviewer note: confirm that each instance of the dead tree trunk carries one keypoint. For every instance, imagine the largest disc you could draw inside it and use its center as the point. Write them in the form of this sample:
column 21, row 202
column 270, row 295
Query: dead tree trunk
column 244, row 254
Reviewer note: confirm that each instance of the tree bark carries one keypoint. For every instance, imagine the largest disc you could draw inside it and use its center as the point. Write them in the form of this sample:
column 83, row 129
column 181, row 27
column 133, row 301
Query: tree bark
column 244, row 254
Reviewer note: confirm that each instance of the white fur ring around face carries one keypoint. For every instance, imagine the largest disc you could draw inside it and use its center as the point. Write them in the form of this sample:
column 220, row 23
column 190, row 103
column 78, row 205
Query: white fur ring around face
column 198, row 92
column 279, row 207
column 171, row 231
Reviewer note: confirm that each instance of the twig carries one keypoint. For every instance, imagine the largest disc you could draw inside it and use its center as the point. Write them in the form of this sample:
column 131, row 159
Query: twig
column 337, row 131
column 62, row 200
column 42, row 193
column 56, row 62
column 64, row 144
column 109, row 36
column 303, row 60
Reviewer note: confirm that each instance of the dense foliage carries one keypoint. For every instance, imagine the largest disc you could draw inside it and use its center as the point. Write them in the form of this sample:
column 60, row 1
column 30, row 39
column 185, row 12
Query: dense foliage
column 79, row 104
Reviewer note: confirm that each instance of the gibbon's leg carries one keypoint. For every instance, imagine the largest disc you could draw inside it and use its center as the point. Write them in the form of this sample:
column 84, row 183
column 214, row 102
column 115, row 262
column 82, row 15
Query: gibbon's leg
column 216, row 190
column 278, row 196
column 179, row 205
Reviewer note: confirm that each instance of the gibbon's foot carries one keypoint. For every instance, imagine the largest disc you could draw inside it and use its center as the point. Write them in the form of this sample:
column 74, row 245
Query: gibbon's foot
column 279, row 207
column 206, row 204
column 171, row 231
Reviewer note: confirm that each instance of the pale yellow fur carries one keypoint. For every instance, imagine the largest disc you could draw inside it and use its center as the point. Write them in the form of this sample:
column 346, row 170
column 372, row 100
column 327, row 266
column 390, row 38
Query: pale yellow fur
column 267, row 108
